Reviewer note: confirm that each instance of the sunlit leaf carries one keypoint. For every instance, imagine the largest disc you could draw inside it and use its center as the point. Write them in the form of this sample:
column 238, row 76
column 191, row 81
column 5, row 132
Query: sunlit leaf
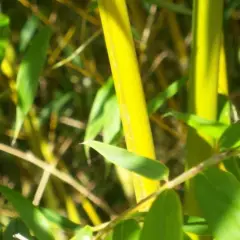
column 210, row 128
column 27, row 32
column 196, row 225
column 59, row 220
column 218, row 195
column 31, row 216
column 109, row 236
column 164, row 219
column 111, row 125
column 121, row 157
column 100, row 99
column 154, row 104
column 29, row 73
column 224, row 107
column 96, row 119
column 83, row 234
column 112, row 121
column 186, row 237
column 126, row 230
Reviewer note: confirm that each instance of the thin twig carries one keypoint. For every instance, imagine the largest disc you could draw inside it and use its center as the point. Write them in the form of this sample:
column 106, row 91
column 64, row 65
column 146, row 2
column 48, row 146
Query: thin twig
column 29, row 157
column 35, row 10
column 80, row 12
column 146, row 32
column 42, row 185
column 72, row 122
column 215, row 159
column 78, row 50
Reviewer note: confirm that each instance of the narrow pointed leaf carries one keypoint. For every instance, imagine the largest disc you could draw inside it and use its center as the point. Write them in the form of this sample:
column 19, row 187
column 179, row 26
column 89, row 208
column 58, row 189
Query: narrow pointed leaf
column 27, row 32
column 83, row 234
column 164, row 219
column 154, row 104
column 112, row 120
column 31, row 216
column 59, row 220
column 218, row 195
column 29, row 73
column 96, row 119
column 224, row 107
column 100, row 99
column 141, row 165
column 127, row 230
column 197, row 226
column 210, row 128
column 231, row 137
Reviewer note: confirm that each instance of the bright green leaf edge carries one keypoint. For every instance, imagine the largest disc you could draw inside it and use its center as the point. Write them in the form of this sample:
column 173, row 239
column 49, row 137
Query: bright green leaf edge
column 141, row 165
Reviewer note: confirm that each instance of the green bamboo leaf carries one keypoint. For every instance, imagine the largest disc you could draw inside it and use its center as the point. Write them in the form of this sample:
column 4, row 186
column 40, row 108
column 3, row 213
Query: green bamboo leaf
column 126, row 230
column 121, row 157
column 27, row 32
column 56, row 105
column 83, row 234
column 112, row 120
column 196, row 225
column 100, row 99
column 29, row 73
column 218, row 195
column 16, row 226
column 31, row 216
column 96, row 117
column 230, row 138
column 174, row 7
column 59, row 220
column 210, row 128
column 164, row 219
column 111, row 125
column 231, row 164
column 224, row 107
column 4, row 33
column 154, row 104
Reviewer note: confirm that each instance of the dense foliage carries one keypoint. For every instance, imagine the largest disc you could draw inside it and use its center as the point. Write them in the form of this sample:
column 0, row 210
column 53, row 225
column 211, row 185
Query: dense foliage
column 77, row 159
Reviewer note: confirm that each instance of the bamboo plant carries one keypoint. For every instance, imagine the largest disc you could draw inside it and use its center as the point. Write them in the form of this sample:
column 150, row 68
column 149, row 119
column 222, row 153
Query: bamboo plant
column 203, row 85
column 117, row 32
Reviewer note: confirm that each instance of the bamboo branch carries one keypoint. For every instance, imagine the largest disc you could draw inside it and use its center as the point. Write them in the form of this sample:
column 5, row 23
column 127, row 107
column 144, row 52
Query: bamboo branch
column 192, row 172
column 29, row 157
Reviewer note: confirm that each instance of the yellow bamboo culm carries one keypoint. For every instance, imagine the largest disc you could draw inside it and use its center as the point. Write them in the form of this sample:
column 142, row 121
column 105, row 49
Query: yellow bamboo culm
column 223, row 78
column 125, row 71
column 203, row 85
